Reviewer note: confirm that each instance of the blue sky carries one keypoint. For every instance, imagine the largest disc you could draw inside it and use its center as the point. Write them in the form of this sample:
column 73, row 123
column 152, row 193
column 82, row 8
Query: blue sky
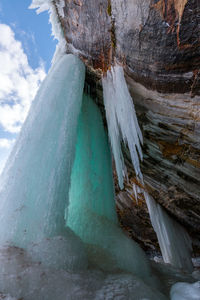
column 26, row 50
column 34, row 31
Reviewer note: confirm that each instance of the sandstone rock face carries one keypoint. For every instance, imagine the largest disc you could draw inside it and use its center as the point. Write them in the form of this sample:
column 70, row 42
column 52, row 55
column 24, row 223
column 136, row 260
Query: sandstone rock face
column 158, row 43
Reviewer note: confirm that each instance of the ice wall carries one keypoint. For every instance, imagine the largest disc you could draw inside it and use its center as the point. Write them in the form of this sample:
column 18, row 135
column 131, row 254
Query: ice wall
column 91, row 211
column 122, row 122
column 34, row 185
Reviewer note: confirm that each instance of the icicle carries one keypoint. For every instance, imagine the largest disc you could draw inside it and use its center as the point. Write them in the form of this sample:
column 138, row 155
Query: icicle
column 91, row 212
column 34, row 184
column 122, row 121
column 175, row 243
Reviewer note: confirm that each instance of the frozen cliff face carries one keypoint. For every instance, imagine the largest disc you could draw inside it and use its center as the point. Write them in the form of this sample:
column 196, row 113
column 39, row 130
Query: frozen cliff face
column 158, row 44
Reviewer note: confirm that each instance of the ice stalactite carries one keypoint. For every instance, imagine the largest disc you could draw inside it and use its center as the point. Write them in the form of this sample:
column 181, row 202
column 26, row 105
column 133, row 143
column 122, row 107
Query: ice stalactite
column 123, row 126
column 35, row 183
column 174, row 241
column 91, row 211
column 122, row 121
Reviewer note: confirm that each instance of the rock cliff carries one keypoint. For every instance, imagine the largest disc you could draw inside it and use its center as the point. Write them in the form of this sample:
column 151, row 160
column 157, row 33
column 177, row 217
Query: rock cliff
column 158, row 44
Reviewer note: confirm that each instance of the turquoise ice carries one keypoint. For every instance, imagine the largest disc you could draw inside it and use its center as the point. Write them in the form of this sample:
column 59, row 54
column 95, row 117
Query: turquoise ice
column 91, row 211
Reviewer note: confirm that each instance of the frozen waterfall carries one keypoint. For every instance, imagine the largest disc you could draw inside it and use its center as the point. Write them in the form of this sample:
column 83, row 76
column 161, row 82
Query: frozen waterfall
column 35, row 183
column 59, row 233
column 123, row 126
column 40, row 257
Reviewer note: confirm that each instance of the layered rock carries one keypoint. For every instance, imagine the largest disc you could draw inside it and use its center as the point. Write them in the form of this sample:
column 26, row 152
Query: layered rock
column 158, row 43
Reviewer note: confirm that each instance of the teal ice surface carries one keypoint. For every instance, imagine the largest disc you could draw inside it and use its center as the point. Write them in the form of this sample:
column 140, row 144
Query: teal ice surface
column 91, row 179
column 91, row 212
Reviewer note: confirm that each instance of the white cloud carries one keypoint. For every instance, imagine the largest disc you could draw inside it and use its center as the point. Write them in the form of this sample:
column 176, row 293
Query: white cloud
column 18, row 86
column 6, row 143
column 18, row 81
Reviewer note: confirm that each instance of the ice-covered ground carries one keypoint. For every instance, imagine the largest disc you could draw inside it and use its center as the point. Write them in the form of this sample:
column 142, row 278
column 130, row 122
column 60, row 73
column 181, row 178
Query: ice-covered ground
column 24, row 275
column 21, row 277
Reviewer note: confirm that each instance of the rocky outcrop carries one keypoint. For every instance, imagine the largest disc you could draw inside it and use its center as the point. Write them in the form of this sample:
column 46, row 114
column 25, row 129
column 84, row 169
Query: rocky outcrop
column 158, row 43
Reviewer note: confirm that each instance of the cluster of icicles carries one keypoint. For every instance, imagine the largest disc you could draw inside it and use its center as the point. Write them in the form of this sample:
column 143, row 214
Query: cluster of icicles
column 59, row 232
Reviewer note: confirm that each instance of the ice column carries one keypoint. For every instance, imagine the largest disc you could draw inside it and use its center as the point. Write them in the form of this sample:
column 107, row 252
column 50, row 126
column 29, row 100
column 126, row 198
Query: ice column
column 122, row 122
column 35, row 183
column 91, row 211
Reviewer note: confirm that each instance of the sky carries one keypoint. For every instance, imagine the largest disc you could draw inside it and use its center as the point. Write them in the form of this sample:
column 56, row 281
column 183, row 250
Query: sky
column 26, row 50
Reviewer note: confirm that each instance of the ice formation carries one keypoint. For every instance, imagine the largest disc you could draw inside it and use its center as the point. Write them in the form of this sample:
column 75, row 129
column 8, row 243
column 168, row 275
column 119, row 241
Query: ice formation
column 185, row 291
column 60, row 252
column 122, row 123
column 56, row 267
column 53, row 263
column 174, row 241
column 35, row 182
column 91, row 211
column 59, row 142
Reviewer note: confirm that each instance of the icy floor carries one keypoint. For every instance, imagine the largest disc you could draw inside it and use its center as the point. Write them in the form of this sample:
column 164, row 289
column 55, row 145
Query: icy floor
column 25, row 275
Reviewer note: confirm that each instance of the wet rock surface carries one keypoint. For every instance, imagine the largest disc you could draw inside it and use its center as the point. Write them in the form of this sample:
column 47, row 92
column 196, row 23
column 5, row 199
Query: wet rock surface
column 158, row 43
